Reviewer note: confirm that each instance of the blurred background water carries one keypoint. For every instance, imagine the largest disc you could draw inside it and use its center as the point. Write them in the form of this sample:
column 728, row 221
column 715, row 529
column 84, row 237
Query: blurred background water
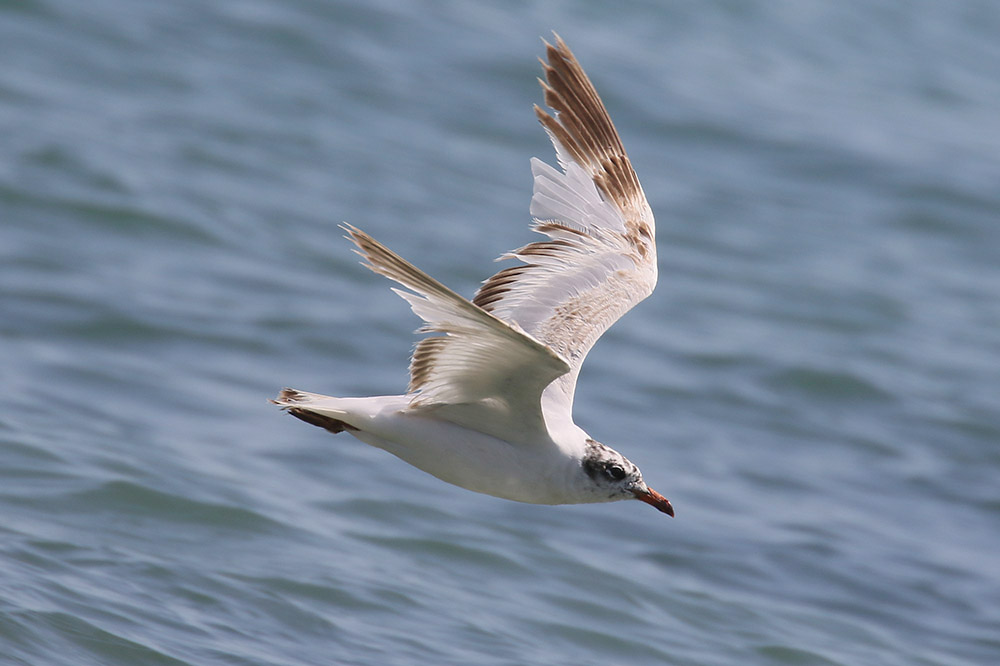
column 815, row 384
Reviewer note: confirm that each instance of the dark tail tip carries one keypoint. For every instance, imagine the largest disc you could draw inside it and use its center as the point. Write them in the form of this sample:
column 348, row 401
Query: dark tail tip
column 286, row 396
column 319, row 420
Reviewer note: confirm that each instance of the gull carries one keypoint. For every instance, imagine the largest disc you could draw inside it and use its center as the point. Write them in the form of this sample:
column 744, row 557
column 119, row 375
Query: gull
column 489, row 405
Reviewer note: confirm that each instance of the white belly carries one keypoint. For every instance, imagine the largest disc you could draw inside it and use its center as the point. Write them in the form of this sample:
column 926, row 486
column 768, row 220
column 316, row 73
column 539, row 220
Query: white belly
column 537, row 474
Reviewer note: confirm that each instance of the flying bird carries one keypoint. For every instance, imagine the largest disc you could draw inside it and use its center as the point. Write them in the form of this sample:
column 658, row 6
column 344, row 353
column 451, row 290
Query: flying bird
column 489, row 405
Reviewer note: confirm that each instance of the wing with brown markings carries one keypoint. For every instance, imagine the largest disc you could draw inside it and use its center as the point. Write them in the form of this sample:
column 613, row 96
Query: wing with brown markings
column 600, row 256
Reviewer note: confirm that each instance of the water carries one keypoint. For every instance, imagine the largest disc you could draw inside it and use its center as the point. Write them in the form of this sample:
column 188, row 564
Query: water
column 815, row 383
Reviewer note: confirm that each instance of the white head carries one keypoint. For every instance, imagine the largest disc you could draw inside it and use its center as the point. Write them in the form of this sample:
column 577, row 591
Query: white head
column 614, row 477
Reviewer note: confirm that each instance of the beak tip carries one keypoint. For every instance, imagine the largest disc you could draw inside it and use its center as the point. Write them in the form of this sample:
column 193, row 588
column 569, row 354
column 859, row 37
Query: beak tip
column 657, row 501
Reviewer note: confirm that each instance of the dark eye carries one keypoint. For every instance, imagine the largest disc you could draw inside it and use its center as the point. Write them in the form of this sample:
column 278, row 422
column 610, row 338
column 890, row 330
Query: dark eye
column 616, row 472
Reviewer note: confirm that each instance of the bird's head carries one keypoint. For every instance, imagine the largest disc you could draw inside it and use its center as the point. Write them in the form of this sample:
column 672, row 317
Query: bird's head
column 617, row 477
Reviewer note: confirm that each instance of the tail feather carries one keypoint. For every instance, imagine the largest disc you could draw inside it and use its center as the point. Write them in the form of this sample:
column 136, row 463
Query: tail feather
column 294, row 402
column 326, row 422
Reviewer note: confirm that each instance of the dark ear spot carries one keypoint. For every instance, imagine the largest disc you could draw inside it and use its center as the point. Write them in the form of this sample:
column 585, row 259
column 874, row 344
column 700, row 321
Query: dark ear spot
column 592, row 467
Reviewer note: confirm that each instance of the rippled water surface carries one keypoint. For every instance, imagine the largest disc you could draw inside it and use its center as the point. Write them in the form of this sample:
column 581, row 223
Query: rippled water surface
column 815, row 384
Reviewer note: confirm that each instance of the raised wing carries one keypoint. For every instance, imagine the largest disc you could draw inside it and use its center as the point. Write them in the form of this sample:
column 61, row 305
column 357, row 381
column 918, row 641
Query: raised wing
column 600, row 256
column 481, row 372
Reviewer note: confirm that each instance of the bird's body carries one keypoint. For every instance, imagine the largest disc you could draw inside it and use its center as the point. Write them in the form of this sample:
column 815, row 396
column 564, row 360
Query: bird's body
column 489, row 406
column 539, row 473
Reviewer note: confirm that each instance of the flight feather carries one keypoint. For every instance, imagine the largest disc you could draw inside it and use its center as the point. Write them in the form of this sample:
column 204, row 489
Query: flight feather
column 600, row 256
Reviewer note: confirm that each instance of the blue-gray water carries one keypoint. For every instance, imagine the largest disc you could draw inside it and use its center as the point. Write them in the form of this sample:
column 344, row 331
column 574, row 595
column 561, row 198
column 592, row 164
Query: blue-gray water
column 815, row 384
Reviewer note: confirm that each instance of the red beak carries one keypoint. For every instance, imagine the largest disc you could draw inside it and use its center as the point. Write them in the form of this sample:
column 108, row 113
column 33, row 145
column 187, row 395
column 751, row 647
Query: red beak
column 656, row 500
